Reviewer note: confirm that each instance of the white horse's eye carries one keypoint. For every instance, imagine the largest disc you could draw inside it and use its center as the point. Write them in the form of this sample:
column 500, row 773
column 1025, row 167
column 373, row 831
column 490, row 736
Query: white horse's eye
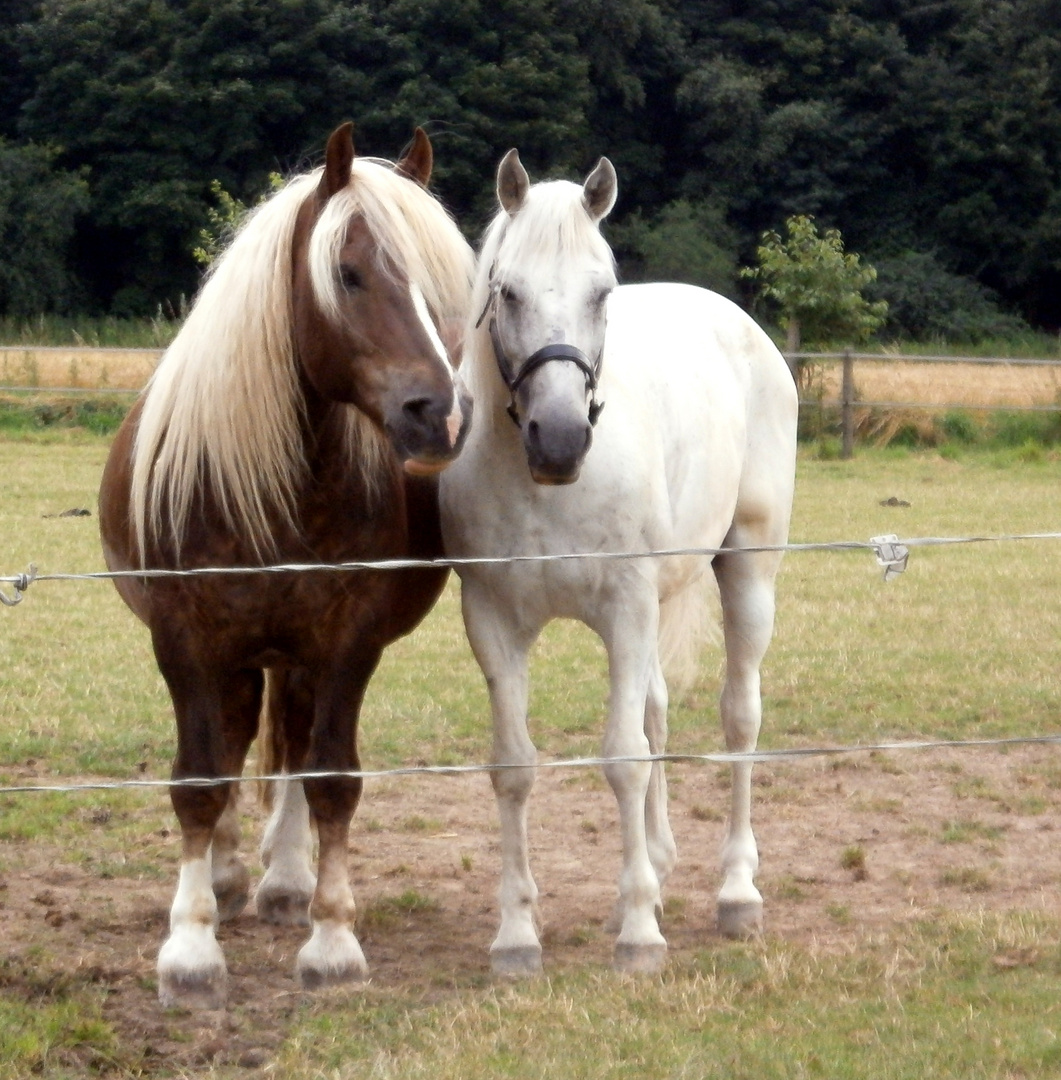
column 508, row 294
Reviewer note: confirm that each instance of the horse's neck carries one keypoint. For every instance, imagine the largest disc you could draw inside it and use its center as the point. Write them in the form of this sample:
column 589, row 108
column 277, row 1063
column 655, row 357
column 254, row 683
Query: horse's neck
column 484, row 381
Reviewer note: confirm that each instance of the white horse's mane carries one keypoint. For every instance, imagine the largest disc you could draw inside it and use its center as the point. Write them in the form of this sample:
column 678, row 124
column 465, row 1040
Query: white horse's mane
column 550, row 227
column 224, row 405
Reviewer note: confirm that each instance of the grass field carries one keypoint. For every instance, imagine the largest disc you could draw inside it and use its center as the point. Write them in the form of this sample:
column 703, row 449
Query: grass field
column 963, row 645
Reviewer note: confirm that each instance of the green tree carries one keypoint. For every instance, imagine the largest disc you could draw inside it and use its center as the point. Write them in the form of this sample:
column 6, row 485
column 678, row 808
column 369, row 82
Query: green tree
column 816, row 285
column 39, row 205
column 686, row 241
column 158, row 98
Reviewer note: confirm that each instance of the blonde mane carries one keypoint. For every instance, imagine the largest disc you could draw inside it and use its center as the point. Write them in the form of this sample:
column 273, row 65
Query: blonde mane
column 224, row 406
column 551, row 227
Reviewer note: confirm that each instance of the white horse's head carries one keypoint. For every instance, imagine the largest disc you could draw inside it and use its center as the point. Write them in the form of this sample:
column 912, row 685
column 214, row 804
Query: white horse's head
column 550, row 273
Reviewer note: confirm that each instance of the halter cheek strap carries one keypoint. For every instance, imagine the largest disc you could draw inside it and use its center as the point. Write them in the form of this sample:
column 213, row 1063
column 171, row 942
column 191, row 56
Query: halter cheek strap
column 514, row 379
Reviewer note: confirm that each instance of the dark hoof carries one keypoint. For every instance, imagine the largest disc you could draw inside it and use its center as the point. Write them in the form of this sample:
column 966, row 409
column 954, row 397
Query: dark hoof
column 208, row 990
column 740, row 918
column 283, row 908
column 321, row 979
column 640, row 959
column 232, row 893
column 518, row 962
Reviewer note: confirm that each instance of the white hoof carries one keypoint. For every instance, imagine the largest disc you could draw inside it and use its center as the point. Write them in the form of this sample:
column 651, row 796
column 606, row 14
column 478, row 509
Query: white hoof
column 191, row 972
column 740, row 918
column 516, row 961
column 331, row 957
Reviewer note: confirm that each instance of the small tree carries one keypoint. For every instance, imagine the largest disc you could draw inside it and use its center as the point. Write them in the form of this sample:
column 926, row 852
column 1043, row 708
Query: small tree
column 225, row 218
column 817, row 286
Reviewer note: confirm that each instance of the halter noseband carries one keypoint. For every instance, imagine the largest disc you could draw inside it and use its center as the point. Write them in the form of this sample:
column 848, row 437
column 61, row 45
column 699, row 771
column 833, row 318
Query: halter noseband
column 513, row 379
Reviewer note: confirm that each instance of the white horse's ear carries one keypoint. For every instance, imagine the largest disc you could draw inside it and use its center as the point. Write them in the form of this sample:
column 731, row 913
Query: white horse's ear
column 512, row 183
column 600, row 189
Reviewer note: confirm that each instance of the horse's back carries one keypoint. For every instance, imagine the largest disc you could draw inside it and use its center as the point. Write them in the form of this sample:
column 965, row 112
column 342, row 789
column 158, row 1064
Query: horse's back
column 675, row 331
column 715, row 389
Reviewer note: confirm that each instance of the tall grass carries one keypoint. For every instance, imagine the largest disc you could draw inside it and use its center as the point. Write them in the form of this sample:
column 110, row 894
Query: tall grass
column 103, row 331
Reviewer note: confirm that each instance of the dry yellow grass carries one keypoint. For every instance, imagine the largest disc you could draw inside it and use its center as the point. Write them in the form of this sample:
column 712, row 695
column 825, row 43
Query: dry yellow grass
column 887, row 380
column 122, row 369
column 935, row 383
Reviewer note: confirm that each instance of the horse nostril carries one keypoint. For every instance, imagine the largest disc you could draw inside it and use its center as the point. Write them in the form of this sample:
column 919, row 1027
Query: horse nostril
column 417, row 408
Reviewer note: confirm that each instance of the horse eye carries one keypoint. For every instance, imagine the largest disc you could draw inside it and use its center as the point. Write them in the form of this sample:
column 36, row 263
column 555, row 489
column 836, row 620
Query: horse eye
column 508, row 294
column 350, row 278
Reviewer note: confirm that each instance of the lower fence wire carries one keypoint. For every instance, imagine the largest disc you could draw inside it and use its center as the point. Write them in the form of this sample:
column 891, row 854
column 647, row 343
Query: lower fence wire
column 891, row 554
column 722, row 758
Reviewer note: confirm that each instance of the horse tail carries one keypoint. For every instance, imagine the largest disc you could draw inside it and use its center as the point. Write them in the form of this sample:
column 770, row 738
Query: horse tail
column 688, row 623
column 271, row 743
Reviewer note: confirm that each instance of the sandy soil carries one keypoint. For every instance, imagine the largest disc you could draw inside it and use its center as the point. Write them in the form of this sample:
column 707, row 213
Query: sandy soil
column 436, row 836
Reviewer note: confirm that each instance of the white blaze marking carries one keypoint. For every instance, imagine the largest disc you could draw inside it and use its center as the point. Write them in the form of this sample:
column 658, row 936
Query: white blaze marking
column 428, row 323
column 453, row 421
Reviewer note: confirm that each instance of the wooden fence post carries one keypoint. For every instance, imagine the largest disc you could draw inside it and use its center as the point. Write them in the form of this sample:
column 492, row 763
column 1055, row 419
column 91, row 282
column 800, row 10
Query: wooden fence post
column 847, row 406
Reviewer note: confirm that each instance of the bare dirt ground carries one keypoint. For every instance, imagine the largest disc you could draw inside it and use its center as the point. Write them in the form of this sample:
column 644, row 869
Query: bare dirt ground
column 940, row 831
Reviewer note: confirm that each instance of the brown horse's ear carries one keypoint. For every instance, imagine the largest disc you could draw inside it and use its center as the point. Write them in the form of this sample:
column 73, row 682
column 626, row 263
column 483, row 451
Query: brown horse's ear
column 338, row 159
column 418, row 161
column 513, row 183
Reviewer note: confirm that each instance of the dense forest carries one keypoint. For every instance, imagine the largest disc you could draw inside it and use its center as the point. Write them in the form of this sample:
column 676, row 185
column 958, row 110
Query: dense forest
column 927, row 131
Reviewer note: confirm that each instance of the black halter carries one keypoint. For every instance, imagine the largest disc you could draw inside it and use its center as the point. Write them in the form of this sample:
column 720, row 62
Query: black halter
column 514, row 379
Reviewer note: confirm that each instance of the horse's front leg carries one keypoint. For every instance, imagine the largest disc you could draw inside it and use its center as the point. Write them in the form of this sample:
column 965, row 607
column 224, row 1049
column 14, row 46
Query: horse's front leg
column 501, row 649
column 746, row 588
column 333, row 955
column 216, row 718
column 631, row 644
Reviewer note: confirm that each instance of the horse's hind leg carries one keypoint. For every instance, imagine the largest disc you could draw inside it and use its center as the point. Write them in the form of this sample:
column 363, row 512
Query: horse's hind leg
column 228, row 875
column 662, row 849
column 283, row 895
column 216, row 720
column 746, row 586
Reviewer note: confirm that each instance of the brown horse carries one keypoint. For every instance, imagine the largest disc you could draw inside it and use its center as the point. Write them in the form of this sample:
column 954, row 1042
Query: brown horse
column 299, row 416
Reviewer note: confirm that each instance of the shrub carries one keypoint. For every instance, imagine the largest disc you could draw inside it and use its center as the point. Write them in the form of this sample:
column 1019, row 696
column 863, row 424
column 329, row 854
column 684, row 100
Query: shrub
column 958, row 427
column 928, row 302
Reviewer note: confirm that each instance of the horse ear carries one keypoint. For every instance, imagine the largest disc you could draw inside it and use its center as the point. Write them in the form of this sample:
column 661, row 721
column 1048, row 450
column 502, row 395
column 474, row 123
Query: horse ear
column 338, row 158
column 600, row 189
column 417, row 163
column 512, row 183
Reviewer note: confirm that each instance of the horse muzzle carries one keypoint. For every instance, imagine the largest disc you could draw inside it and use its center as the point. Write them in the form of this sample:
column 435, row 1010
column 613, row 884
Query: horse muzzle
column 428, row 432
column 556, row 445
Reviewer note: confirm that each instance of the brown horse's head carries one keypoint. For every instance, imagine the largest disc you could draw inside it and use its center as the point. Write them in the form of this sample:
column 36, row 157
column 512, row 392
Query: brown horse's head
column 377, row 264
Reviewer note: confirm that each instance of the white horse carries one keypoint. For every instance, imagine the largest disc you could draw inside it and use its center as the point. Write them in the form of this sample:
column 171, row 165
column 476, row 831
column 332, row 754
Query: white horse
column 695, row 447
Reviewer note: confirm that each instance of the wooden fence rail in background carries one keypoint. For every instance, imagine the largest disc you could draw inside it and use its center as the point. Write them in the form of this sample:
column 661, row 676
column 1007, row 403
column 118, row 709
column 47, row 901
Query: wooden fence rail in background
column 35, row 369
column 848, row 399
